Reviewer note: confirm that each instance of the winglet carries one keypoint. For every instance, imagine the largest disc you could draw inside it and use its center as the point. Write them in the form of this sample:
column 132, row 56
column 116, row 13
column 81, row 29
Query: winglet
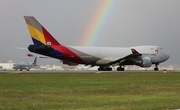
column 135, row 52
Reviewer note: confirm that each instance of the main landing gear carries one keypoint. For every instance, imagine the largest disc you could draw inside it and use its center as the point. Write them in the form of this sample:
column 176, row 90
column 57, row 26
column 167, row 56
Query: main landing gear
column 104, row 68
column 107, row 68
column 120, row 68
column 156, row 67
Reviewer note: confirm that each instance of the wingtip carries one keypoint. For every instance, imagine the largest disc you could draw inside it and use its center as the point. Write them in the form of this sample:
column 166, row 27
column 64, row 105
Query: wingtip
column 134, row 51
column 28, row 17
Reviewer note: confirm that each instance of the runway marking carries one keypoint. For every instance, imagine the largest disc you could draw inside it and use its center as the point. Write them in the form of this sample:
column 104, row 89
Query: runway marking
column 99, row 72
column 17, row 72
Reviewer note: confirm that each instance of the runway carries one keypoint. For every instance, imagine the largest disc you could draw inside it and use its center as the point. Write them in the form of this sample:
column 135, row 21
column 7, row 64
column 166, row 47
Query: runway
column 79, row 71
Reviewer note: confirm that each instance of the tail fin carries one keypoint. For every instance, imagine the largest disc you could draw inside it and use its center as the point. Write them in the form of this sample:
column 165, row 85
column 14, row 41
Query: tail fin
column 35, row 62
column 39, row 34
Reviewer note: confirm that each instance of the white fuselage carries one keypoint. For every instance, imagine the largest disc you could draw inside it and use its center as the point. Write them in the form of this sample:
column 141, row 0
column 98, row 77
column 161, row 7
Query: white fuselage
column 22, row 66
column 109, row 54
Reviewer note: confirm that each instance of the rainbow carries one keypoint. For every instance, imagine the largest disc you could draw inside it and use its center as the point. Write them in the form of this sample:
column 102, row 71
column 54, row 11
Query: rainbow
column 98, row 22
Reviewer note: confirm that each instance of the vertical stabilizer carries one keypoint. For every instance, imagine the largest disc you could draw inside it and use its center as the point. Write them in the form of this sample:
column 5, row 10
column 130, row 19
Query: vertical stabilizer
column 39, row 34
column 35, row 62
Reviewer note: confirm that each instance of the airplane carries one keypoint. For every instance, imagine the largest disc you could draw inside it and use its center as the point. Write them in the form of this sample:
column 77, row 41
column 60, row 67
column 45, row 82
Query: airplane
column 29, row 54
column 25, row 66
column 104, row 57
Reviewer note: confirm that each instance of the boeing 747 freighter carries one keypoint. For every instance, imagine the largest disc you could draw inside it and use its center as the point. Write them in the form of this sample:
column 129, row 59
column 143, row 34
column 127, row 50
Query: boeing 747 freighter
column 104, row 57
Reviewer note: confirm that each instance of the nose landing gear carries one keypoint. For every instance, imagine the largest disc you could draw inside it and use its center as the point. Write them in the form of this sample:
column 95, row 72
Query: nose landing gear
column 156, row 67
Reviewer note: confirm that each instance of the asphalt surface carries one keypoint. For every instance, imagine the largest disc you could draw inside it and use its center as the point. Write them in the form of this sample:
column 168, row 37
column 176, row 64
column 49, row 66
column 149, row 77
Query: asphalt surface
column 77, row 71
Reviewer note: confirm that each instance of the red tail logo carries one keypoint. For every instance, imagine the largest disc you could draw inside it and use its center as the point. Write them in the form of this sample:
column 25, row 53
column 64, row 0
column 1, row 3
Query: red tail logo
column 157, row 51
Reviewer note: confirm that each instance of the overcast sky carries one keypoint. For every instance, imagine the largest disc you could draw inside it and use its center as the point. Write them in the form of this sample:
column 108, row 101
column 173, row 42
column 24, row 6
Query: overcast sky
column 130, row 23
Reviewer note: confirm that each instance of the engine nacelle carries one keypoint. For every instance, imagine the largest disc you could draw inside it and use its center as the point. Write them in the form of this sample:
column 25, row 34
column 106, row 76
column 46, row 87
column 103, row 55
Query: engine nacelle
column 69, row 63
column 143, row 62
column 146, row 62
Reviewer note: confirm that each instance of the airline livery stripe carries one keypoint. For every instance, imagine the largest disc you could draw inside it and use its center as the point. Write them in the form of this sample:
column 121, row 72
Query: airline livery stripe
column 69, row 55
column 48, row 37
column 36, row 34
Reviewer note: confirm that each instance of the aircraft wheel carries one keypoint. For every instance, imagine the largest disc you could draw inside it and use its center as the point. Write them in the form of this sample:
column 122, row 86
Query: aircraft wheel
column 156, row 69
column 100, row 69
column 120, row 69
column 109, row 69
column 104, row 69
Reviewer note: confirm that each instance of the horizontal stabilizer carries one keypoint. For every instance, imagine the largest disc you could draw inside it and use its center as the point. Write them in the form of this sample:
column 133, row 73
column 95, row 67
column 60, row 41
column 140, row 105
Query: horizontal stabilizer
column 29, row 54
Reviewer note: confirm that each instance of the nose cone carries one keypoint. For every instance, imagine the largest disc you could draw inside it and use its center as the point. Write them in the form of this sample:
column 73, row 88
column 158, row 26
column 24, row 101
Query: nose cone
column 167, row 56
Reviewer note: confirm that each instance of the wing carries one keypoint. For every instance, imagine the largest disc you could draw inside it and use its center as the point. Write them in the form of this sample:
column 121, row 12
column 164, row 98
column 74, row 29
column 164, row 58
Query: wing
column 128, row 60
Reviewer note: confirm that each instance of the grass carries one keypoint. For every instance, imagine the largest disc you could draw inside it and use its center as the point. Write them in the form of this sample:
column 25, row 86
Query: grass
column 109, row 91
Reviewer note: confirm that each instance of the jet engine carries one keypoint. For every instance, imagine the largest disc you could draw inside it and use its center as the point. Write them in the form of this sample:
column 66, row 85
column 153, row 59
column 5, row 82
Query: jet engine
column 143, row 62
